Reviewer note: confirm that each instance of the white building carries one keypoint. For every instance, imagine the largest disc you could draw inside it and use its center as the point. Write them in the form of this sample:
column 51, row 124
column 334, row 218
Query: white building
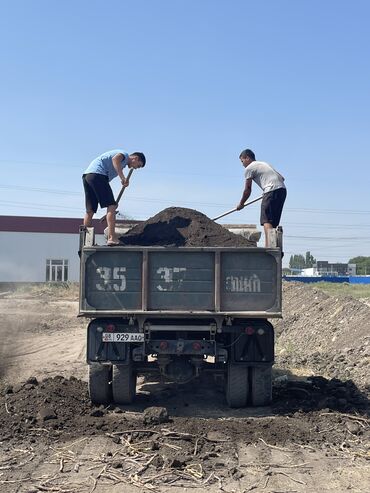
column 45, row 249
column 41, row 249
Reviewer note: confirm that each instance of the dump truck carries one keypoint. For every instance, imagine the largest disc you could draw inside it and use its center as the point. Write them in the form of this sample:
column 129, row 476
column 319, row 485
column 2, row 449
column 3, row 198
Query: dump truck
column 175, row 313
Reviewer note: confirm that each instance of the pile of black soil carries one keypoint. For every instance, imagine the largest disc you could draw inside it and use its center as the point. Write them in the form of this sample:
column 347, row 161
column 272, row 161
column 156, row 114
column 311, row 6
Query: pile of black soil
column 61, row 407
column 177, row 226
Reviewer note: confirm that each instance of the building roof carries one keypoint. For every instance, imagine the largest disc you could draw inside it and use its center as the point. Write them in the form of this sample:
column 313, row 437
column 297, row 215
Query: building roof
column 71, row 225
column 29, row 224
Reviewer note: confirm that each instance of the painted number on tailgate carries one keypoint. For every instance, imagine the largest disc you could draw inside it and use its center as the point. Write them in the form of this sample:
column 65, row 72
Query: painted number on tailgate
column 111, row 279
column 171, row 278
column 243, row 284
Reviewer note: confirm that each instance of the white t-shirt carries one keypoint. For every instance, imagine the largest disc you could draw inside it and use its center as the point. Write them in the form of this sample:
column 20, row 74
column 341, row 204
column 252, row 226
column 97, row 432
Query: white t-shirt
column 264, row 175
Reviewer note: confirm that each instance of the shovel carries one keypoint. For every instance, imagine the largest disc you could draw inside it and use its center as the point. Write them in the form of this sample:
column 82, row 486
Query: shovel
column 102, row 219
column 233, row 210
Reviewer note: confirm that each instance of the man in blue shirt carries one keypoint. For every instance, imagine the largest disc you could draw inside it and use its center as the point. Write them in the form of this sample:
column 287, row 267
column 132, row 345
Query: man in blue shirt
column 96, row 180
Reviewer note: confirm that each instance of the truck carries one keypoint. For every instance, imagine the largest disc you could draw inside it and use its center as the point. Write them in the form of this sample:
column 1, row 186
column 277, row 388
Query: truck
column 175, row 313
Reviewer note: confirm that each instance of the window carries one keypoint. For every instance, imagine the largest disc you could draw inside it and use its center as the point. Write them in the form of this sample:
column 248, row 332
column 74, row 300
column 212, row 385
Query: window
column 56, row 270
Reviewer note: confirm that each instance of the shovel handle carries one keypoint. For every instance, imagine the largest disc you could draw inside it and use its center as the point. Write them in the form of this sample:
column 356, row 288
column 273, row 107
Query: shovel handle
column 102, row 219
column 123, row 188
column 235, row 209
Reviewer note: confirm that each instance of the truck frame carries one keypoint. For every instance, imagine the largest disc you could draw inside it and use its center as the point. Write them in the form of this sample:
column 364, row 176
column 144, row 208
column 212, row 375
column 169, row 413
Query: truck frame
column 176, row 312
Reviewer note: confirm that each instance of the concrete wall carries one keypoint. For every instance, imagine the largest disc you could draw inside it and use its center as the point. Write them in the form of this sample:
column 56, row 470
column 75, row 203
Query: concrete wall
column 23, row 255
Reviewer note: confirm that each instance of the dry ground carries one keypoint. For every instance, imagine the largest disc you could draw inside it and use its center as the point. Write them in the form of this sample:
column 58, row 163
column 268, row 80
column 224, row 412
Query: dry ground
column 315, row 436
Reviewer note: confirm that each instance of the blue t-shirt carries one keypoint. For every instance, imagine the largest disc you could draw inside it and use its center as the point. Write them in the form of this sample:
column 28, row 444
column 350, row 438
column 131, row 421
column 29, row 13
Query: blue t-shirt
column 103, row 165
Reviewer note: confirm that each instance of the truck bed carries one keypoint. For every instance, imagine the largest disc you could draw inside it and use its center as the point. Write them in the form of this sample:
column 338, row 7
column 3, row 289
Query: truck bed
column 181, row 281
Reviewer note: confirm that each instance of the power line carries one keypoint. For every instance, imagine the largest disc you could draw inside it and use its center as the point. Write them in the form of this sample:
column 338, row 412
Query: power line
column 132, row 197
column 39, row 163
column 82, row 167
column 160, row 201
column 328, row 211
column 328, row 226
column 296, row 237
column 351, row 238
column 39, row 206
column 34, row 189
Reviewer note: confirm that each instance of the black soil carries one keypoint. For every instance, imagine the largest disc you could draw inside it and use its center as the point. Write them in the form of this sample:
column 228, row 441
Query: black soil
column 62, row 405
column 177, row 226
column 38, row 416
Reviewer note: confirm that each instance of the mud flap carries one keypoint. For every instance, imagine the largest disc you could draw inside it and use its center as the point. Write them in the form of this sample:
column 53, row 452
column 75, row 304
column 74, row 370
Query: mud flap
column 99, row 351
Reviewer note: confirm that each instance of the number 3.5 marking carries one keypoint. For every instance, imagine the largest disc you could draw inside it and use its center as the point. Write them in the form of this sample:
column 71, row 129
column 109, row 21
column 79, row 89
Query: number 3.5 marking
column 108, row 276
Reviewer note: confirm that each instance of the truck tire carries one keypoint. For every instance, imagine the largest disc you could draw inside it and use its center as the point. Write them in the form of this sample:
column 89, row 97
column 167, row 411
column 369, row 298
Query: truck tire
column 100, row 388
column 237, row 388
column 261, row 383
column 123, row 384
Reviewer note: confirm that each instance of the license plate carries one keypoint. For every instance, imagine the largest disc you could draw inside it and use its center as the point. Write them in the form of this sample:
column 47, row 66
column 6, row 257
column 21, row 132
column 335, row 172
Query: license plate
column 122, row 337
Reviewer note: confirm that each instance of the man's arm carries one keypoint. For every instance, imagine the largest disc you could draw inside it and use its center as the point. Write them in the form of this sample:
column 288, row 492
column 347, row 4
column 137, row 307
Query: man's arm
column 117, row 160
column 246, row 194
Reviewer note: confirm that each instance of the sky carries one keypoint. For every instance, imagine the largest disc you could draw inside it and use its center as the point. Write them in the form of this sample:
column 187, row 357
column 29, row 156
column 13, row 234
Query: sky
column 191, row 83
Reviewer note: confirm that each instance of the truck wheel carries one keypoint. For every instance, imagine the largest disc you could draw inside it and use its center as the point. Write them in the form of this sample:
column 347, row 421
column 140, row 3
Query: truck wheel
column 237, row 386
column 100, row 388
column 261, row 382
column 123, row 384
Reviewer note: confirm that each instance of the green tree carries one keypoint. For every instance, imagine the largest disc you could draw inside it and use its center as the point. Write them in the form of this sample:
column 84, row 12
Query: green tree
column 297, row 262
column 301, row 262
column 310, row 260
column 362, row 264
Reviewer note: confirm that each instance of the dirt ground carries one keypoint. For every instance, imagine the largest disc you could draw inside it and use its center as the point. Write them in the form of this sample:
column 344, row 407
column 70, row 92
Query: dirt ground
column 314, row 437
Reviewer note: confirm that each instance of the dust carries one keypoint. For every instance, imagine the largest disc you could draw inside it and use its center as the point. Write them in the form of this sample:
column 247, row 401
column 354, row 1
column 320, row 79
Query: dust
column 40, row 333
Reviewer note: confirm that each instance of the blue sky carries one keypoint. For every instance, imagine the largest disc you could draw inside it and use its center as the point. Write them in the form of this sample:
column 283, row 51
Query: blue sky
column 192, row 83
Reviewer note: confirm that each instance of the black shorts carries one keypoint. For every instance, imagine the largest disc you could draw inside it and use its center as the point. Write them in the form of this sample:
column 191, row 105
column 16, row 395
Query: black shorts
column 272, row 206
column 97, row 191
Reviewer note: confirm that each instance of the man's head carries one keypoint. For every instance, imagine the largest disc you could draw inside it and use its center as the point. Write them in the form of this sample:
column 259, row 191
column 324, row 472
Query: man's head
column 247, row 157
column 137, row 160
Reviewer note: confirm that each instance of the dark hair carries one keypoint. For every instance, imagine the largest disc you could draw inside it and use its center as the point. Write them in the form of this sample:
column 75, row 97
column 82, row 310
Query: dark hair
column 140, row 155
column 247, row 153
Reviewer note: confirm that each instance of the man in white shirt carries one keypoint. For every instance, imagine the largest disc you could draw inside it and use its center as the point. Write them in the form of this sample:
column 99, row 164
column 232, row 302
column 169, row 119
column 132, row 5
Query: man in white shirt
column 272, row 184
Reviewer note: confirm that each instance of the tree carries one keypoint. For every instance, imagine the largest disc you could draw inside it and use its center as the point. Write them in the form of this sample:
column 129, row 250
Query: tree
column 310, row 260
column 362, row 264
column 297, row 262
column 301, row 262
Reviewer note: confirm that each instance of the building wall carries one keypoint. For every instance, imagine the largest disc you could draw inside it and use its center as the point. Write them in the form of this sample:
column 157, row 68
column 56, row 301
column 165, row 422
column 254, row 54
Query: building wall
column 27, row 242
column 324, row 268
column 23, row 255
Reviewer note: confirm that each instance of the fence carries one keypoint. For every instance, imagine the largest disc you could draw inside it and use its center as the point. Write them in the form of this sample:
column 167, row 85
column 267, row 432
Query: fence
column 339, row 279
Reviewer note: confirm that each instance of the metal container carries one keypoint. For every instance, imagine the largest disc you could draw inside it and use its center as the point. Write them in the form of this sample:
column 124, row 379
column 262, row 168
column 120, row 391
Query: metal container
column 123, row 281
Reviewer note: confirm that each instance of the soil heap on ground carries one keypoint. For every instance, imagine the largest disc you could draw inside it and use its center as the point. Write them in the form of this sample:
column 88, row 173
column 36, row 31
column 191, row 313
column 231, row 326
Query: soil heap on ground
column 178, row 226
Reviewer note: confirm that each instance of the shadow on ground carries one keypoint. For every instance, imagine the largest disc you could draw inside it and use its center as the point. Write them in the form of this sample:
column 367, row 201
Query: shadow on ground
column 203, row 398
